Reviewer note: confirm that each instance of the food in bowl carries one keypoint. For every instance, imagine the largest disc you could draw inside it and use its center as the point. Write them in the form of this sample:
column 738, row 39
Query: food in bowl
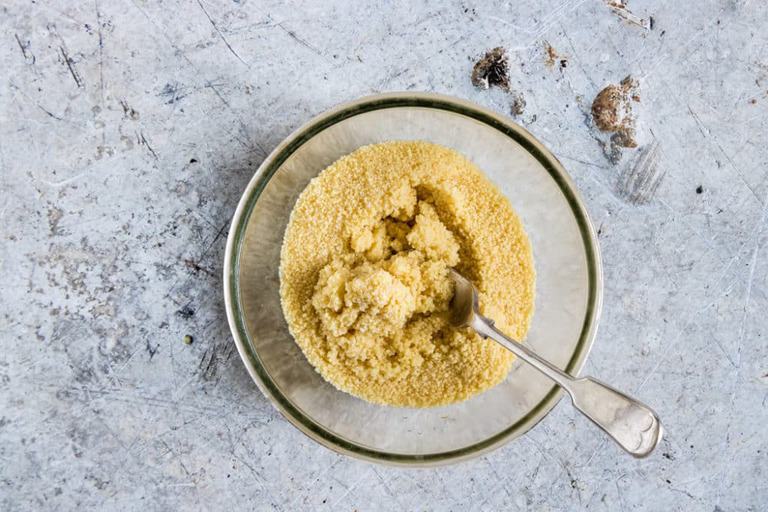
column 364, row 279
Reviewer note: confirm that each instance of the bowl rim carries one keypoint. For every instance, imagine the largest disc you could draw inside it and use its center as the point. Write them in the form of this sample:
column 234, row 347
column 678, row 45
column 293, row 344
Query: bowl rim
column 274, row 161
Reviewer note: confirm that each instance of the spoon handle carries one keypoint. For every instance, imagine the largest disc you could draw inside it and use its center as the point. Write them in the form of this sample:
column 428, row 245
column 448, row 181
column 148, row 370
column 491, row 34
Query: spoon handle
column 632, row 424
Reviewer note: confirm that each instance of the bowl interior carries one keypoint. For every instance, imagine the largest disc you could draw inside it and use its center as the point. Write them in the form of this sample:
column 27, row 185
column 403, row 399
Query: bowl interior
column 567, row 283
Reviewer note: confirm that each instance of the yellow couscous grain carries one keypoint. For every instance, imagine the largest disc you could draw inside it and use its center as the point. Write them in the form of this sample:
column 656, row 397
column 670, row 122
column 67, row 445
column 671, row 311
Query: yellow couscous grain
column 364, row 274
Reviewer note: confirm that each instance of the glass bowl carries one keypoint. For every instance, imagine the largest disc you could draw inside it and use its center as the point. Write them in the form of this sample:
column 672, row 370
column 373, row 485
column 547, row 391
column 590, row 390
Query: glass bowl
column 568, row 284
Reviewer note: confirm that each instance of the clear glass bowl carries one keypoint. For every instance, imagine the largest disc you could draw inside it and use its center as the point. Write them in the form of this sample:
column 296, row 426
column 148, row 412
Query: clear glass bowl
column 568, row 286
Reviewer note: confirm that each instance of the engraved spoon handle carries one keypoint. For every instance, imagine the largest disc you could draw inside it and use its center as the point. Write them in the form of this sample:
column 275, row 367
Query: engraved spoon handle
column 632, row 424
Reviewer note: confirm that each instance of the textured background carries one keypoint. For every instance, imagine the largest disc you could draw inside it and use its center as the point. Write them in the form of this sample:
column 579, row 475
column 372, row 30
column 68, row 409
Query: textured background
column 129, row 128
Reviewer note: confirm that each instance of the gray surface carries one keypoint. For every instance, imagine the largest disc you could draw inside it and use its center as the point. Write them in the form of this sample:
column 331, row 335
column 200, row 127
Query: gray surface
column 108, row 231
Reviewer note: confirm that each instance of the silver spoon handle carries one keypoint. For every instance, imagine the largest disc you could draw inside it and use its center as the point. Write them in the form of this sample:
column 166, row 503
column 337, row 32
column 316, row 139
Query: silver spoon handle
column 633, row 425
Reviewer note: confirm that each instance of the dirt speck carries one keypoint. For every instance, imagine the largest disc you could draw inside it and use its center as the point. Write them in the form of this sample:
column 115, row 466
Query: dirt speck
column 196, row 267
column 492, row 70
column 54, row 216
column 103, row 150
column 623, row 139
column 552, row 55
column 606, row 108
column 151, row 348
column 186, row 312
column 517, row 107
column 699, row 189
column 128, row 111
column 612, row 112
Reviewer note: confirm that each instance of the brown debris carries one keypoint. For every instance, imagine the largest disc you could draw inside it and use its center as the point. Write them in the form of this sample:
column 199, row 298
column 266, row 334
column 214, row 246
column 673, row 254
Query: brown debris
column 552, row 55
column 605, row 109
column 612, row 112
column 624, row 138
column 492, row 70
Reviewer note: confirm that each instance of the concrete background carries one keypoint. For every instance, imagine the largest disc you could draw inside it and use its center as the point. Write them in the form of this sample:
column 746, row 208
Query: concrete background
column 129, row 128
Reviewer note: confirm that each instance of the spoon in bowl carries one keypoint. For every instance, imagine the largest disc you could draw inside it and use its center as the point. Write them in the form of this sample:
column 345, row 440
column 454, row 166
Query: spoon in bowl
column 633, row 425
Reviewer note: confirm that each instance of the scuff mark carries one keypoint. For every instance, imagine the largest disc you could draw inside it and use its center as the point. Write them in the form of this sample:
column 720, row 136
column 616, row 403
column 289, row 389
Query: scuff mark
column 196, row 267
column 71, row 66
column 172, row 93
column 209, row 364
column 28, row 57
column 221, row 232
column 638, row 183
column 142, row 140
column 213, row 24
column 299, row 40
column 619, row 7
column 128, row 111
column 214, row 88
column 101, row 50
column 50, row 114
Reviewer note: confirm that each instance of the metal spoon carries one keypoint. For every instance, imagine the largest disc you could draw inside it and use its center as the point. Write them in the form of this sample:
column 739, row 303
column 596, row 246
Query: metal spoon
column 633, row 425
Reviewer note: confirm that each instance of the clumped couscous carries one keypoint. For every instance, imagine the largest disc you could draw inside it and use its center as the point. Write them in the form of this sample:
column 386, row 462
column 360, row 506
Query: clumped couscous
column 364, row 274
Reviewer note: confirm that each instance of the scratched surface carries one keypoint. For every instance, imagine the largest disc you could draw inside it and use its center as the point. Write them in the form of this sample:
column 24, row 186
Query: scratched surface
column 129, row 128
